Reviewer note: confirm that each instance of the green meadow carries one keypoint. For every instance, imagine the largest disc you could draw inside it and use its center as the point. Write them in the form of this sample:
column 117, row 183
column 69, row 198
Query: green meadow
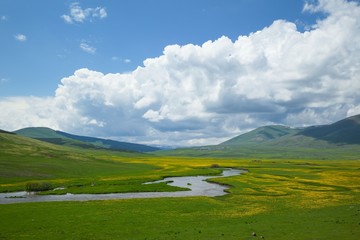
column 275, row 199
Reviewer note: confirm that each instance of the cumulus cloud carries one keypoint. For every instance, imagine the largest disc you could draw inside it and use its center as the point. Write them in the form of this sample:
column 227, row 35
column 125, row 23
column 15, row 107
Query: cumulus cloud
column 87, row 48
column 29, row 111
column 20, row 37
column 80, row 15
column 195, row 95
column 353, row 110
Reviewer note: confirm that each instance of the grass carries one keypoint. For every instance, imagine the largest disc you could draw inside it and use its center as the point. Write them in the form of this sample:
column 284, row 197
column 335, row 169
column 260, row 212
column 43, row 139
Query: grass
column 190, row 218
column 277, row 199
column 110, row 186
column 320, row 152
column 290, row 199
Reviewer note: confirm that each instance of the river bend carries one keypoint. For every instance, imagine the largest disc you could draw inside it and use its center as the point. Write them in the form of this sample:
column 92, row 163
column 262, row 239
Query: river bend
column 197, row 184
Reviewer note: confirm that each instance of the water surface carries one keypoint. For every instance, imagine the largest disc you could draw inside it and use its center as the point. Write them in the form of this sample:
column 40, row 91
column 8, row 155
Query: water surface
column 197, row 187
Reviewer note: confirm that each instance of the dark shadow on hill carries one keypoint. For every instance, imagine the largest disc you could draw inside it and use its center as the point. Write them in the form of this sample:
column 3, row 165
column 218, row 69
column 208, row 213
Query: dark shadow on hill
column 2, row 131
column 346, row 131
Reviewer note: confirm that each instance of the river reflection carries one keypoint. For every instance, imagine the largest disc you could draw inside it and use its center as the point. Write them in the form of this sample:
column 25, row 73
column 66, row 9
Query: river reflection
column 197, row 185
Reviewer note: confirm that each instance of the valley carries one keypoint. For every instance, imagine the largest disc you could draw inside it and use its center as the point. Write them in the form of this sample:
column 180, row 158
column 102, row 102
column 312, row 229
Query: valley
column 317, row 197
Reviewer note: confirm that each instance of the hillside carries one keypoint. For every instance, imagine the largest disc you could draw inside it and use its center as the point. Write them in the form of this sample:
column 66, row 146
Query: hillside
column 343, row 132
column 346, row 131
column 63, row 138
column 2, row 131
column 262, row 135
column 340, row 140
column 110, row 144
column 23, row 159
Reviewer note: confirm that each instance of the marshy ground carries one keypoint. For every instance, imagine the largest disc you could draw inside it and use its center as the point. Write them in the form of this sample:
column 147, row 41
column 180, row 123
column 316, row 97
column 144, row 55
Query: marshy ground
column 276, row 199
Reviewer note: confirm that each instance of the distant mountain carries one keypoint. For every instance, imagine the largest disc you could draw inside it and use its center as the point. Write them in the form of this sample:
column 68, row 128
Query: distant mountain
column 38, row 132
column 346, row 131
column 111, row 144
column 262, row 135
column 63, row 138
column 340, row 140
column 12, row 144
column 6, row 132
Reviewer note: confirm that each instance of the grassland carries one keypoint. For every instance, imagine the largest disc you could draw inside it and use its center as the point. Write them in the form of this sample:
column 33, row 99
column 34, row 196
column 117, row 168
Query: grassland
column 24, row 160
column 325, row 152
column 276, row 199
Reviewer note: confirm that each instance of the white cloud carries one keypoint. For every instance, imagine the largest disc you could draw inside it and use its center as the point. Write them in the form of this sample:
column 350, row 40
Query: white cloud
column 126, row 60
column 3, row 18
column 353, row 110
column 195, row 94
column 67, row 18
column 87, row 48
column 29, row 111
column 20, row 37
column 80, row 15
column 99, row 12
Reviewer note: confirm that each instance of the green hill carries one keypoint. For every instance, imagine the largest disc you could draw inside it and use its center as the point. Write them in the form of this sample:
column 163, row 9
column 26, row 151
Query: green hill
column 346, row 131
column 51, row 136
column 340, row 140
column 343, row 132
column 63, row 138
column 2, row 131
column 262, row 135
column 38, row 132
column 110, row 144
column 23, row 159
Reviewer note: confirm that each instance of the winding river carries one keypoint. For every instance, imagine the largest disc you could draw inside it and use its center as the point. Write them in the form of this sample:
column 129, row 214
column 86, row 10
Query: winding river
column 197, row 184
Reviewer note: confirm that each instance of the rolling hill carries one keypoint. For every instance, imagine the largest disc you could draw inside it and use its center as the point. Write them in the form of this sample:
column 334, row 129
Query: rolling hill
column 346, row 131
column 262, row 135
column 340, row 140
column 25, row 159
column 343, row 132
column 63, row 138
column 6, row 132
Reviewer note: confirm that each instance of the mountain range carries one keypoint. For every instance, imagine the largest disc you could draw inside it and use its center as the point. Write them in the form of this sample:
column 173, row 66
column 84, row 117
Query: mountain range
column 62, row 138
column 343, row 132
column 337, row 140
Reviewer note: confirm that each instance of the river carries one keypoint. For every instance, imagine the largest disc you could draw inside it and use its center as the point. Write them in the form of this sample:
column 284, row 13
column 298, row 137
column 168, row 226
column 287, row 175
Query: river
column 197, row 185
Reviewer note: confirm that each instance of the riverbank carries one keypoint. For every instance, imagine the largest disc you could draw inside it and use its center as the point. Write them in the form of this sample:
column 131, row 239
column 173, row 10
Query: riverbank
column 196, row 185
column 276, row 199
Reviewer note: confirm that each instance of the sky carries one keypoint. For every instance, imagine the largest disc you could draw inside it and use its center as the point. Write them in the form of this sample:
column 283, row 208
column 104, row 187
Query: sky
column 177, row 73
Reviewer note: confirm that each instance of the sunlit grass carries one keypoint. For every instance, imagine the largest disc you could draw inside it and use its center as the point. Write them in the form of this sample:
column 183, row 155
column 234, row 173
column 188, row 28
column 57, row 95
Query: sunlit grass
column 279, row 199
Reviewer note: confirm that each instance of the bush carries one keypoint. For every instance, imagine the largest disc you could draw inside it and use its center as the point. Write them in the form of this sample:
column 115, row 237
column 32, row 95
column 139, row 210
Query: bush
column 38, row 186
column 215, row 165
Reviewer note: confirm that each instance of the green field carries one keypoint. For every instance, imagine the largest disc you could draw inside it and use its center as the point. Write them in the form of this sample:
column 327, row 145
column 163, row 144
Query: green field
column 276, row 198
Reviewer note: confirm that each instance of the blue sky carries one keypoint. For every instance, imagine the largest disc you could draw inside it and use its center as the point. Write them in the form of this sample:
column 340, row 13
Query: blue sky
column 132, row 31
column 180, row 73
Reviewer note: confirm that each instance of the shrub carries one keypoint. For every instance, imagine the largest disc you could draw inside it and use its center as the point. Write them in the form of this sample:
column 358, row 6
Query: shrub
column 215, row 165
column 38, row 186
